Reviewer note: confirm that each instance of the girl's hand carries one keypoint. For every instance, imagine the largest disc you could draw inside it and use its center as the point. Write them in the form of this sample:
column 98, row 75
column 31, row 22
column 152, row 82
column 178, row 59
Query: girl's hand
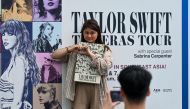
column 74, row 48
column 108, row 104
column 85, row 50
column 82, row 50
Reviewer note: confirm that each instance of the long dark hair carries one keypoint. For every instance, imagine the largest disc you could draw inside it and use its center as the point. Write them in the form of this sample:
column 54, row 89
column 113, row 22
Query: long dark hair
column 92, row 24
column 23, row 47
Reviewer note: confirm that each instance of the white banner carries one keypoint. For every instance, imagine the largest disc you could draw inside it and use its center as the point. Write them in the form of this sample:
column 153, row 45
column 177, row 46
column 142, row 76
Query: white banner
column 141, row 32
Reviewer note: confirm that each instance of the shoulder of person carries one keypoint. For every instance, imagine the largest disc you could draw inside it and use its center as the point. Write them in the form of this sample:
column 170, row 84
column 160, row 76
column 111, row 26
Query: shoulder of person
column 20, row 58
column 56, row 105
column 35, row 40
column 37, row 17
column 20, row 61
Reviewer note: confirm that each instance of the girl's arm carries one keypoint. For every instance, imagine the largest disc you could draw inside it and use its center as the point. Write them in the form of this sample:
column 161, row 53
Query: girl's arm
column 60, row 53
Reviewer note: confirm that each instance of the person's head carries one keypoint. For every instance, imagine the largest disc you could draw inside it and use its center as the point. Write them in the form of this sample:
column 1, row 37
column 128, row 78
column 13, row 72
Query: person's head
column 135, row 82
column 53, row 6
column 47, row 61
column 15, row 36
column 46, row 29
column 91, row 32
column 9, row 40
column 46, row 92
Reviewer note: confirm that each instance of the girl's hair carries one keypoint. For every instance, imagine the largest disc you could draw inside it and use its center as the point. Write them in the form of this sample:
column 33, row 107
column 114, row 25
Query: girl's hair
column 23, row 48
column 42, row 28
column 42, row 11
column 92, row 24
column 52, row 91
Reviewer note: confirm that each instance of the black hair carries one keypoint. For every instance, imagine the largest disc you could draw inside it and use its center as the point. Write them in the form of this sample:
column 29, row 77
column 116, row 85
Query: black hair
column 135, row 82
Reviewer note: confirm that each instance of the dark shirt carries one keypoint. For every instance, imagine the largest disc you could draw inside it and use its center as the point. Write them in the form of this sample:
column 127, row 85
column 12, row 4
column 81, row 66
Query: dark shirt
column 53, row 105
column 54, row 76
column 42, row 45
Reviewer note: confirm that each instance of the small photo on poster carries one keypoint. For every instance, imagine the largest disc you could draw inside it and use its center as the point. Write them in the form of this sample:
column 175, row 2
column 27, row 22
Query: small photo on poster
column 6, row 54
column 46, row 36
column 47, row 96
column 17, row 9
column 47, row 10
column 50, row 69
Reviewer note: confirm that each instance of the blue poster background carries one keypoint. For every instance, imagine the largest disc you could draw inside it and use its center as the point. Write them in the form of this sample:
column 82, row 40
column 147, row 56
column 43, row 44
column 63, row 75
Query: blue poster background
column 185, row 54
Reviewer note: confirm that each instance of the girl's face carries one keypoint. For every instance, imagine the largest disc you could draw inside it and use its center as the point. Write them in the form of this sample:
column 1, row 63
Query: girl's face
column 44, row 94
column 48, row 30
column 51, row 4
column 47, row 61
column 90, row 35
column 9, row 40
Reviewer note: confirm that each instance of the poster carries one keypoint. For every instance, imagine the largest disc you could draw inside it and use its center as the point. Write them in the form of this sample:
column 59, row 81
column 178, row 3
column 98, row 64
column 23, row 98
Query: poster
column 41, row 95
column 32, row 32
